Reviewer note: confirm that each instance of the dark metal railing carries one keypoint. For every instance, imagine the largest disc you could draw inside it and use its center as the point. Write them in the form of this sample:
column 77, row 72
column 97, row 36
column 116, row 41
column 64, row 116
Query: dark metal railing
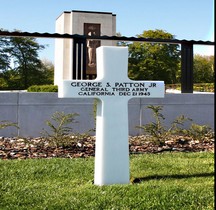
column 79, row 52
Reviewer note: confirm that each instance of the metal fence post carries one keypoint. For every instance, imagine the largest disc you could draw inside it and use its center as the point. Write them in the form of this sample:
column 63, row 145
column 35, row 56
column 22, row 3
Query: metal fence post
column 187, row 68
column 79, row 58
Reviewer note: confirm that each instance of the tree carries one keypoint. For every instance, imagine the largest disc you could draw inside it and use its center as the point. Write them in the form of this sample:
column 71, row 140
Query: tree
column 203, row 69
column 48, row 72
column 24, row 51
column 4, row 57
column 154, row 61
column 20, row 66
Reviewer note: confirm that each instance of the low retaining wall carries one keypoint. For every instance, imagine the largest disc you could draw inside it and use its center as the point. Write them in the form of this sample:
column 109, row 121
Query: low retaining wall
column 31, row 110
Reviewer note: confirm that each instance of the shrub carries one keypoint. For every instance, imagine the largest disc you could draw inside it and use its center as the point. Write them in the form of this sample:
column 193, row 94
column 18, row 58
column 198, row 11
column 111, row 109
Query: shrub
column 199, row 132
column 61, row 133
column 204, row 87
column 43, row 88
column 159, row 133
column 201, row 87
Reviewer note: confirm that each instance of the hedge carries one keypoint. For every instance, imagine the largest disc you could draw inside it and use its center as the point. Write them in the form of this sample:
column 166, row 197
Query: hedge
column 43, row 88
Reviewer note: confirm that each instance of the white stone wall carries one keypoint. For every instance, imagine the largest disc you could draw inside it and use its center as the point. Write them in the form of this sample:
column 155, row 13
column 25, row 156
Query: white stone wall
column 31, row 110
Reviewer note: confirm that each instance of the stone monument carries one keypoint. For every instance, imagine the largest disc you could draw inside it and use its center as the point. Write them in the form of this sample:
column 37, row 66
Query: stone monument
column 113, row 89
column 82, row 23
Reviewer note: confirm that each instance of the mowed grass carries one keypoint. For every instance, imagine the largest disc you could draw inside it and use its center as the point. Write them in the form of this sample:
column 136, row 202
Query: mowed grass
column 158, row 181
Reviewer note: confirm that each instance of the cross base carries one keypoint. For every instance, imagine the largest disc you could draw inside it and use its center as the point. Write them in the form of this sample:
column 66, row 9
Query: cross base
column 112, row 150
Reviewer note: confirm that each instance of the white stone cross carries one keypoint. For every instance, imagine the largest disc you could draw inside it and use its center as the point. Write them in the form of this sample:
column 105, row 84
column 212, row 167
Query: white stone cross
column 113, row 89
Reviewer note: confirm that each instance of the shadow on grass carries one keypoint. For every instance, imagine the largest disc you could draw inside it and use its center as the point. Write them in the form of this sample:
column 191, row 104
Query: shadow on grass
column 175, row 176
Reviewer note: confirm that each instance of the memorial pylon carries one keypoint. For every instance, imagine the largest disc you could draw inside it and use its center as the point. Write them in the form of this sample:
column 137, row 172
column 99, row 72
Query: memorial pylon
column 81, row 23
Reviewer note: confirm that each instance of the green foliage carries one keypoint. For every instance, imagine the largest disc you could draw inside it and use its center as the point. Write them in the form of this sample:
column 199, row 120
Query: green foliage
column 3, row 84
column 156, row 129
column 154, row 61
column 48, row 72
column 61, row 133
column 20, row 66
column 204, row 87
column 159, row 133
column 6, row 123
column 200, row 87
column 166, row 181
column 24, row 52
column 199, row 131
column 203, row 69
column 43, row 88
column 4, row 56
column 177, row 126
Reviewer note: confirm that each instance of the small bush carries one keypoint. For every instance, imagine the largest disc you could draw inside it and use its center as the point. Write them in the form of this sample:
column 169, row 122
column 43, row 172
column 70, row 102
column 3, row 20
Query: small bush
column 43, row 88
column 200, row 87
column 61, row 133
column 204, row 87
column 158, row 133
column 199, row 132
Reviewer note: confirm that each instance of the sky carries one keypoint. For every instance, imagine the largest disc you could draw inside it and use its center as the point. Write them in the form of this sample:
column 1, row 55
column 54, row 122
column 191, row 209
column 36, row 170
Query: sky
column 185, row 19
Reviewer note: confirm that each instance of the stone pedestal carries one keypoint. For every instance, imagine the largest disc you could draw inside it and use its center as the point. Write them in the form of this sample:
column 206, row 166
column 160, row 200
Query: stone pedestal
column 81, row 22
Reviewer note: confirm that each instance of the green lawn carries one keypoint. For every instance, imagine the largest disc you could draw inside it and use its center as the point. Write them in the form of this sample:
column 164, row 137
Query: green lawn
column 158, row 181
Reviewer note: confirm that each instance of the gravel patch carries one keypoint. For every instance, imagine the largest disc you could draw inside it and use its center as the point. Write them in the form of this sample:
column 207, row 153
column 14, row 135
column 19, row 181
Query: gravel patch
column 25, row 148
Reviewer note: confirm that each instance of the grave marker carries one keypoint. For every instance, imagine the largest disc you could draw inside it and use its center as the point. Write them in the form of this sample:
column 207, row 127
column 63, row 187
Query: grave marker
column 113, row 89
